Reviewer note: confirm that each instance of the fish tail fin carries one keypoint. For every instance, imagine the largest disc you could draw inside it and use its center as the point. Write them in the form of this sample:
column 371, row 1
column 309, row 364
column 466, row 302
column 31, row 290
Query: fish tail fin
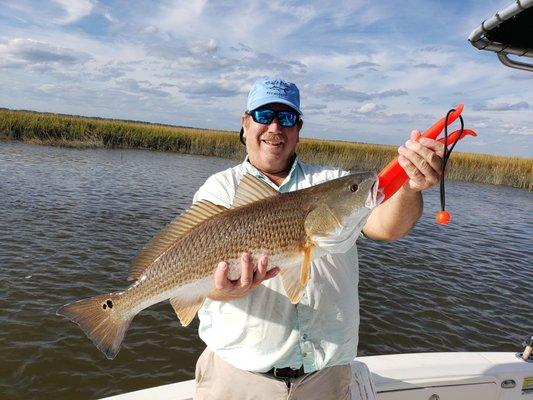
column 101, row 320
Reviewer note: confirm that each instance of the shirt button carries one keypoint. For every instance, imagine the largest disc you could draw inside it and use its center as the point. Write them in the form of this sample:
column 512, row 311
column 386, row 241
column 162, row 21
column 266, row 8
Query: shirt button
column 304, row 336
column 304, row 354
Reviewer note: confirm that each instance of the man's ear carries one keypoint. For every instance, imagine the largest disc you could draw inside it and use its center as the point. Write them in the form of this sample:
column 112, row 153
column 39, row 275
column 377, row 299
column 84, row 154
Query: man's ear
column 299, row 126
column 244, row 121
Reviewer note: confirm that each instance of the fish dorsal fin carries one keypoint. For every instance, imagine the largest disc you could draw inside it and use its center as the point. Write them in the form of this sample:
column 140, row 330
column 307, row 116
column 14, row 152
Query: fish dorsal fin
column 186, row 310
column 196, row 214
column 251, row 189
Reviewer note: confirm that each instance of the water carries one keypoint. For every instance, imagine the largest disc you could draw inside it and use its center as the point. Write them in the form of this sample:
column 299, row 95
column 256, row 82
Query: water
column 72, row 220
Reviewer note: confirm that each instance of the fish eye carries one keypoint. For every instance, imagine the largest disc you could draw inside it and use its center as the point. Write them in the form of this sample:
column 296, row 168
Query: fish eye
column 353, row 188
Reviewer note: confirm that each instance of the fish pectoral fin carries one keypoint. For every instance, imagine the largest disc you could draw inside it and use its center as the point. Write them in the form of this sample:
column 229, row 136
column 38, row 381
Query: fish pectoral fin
column 306, row 266
column 186, row 310
column 321, row 221
column 291, row 283
column 295, row 280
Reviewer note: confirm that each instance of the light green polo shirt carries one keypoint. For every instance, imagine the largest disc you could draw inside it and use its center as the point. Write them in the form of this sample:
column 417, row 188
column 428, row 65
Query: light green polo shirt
column 264, row 329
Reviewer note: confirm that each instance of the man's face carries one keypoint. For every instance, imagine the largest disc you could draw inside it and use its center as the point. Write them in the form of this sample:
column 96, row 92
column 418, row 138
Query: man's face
column 271, row 147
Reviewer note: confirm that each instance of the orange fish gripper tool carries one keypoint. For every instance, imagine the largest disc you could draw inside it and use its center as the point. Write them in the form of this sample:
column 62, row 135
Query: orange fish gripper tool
column 393, row 176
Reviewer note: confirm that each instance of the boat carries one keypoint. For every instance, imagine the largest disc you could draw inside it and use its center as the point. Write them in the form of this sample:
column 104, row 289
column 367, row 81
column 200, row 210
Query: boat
column 416, row 376
column 436, row 376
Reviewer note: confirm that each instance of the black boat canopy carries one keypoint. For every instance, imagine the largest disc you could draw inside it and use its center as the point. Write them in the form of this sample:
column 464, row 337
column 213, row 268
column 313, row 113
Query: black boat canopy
column 510, row 31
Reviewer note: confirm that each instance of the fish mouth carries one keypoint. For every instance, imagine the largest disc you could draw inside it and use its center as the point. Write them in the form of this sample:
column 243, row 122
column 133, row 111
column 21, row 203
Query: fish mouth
column 375, row 195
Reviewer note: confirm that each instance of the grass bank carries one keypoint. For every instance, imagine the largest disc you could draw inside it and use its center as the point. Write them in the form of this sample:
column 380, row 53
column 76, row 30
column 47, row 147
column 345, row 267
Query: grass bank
column 83, row 132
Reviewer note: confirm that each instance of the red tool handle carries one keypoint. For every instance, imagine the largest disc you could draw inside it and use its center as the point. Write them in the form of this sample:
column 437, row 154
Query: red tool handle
column 400, row 177
column 393, row 176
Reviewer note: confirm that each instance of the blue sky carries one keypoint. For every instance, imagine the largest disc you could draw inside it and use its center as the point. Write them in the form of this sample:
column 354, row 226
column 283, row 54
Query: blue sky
column 367, row 71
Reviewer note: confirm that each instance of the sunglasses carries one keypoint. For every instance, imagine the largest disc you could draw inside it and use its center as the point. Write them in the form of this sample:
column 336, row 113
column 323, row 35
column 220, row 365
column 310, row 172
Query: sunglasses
column 265, row 116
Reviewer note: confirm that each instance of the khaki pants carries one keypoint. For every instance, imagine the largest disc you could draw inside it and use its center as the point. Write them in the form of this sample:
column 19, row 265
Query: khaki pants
column 218, row 380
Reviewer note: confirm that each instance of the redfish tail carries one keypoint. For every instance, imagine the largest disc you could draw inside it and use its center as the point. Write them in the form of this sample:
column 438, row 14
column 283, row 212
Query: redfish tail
column 101, row 321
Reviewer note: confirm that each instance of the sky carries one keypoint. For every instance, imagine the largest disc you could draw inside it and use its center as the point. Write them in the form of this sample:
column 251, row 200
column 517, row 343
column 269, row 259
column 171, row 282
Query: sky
column 368, row 71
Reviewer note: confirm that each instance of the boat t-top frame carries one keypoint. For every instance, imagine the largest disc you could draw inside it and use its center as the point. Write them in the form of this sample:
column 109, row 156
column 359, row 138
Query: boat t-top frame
column 510, row 31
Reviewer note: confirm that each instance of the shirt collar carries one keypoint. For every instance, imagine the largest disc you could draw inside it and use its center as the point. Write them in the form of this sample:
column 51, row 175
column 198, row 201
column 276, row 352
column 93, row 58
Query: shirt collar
column 248, row 167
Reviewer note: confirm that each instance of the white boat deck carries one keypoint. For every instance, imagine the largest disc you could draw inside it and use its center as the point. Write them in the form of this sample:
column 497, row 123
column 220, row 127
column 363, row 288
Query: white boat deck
column 453, row 376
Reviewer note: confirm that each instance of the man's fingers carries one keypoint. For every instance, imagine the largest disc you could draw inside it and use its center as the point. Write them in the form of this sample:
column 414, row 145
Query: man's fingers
column 425, row 160
column 271, row 273
column 247, row 270
column 226, row 289
column 221, row 276
column 426, row 157
column 413, row 172
column 261, row 271
column 437, row 146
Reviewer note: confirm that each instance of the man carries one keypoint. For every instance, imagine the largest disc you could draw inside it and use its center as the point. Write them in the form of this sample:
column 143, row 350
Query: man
column 259, row 345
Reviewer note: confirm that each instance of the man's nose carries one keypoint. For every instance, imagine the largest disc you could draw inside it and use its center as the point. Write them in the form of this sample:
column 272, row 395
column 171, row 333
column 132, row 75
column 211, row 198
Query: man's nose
column 274, row 125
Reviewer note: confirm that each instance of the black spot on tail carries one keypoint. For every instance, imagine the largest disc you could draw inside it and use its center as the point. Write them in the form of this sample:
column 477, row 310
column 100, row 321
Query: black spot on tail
column 104, row 324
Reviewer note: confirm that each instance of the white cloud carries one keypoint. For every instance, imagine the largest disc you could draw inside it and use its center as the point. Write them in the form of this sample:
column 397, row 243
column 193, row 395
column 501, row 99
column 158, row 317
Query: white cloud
column 347, row 12
column 503, row 106
column 108, row 16
column 336, row 92
column 303, row 13
column 363, row 64
column 514, row 129
column 367, row 108
column 28, row 52
column 74, row 9
column 208, row 89
column 181, row 17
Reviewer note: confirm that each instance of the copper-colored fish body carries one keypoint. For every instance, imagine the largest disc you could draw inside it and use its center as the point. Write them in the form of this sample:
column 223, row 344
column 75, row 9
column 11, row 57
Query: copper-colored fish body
column 178, row 264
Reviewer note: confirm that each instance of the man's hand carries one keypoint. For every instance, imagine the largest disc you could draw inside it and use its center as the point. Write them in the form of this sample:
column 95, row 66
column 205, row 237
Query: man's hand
column 422, row 161
column 226, row 289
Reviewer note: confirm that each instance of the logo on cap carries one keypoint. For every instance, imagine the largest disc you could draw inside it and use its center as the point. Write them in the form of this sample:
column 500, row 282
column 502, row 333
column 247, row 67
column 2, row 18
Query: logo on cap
column 277, row 87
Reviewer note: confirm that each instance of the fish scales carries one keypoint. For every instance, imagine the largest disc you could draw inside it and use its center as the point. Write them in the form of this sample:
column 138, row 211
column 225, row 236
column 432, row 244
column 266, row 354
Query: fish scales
column 272, row 226
column 178, row 264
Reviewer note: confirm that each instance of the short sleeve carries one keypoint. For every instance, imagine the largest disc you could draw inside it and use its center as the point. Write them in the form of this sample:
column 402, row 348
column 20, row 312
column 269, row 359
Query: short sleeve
column 218, row 189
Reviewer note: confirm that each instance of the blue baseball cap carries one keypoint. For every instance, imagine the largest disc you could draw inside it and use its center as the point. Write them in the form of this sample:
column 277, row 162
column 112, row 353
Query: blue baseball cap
column 273, row 90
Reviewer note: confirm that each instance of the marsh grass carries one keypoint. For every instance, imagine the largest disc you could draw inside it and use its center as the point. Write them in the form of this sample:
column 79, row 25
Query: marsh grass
column 83, row 132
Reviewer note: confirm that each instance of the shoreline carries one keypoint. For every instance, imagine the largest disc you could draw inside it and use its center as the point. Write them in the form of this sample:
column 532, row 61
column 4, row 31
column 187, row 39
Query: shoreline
column 88, row 132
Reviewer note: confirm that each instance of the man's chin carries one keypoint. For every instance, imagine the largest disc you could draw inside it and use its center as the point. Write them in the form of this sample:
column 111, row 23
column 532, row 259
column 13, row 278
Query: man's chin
column 274, row 163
